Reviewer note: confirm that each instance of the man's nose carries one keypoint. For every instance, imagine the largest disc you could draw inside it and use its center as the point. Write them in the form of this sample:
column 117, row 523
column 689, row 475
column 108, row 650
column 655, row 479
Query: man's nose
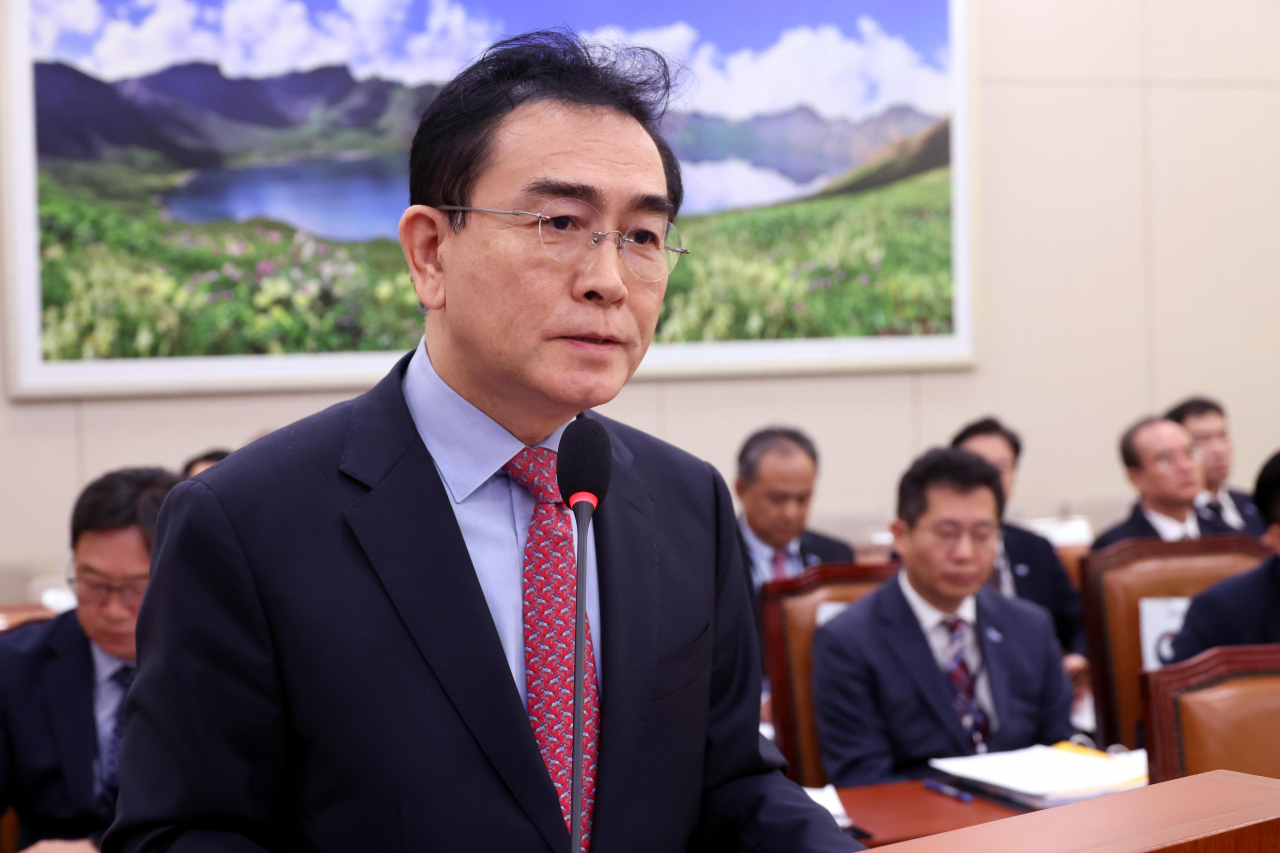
column 601, row 278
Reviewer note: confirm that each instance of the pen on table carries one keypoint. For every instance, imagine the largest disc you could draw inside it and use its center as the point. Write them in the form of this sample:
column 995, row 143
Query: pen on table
column 948, row 790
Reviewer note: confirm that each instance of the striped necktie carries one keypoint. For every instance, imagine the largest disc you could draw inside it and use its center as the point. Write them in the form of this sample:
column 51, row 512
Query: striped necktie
column 972, row 717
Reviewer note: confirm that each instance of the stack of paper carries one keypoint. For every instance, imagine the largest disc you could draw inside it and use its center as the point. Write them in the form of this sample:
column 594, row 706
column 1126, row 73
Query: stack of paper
column 1044, row 776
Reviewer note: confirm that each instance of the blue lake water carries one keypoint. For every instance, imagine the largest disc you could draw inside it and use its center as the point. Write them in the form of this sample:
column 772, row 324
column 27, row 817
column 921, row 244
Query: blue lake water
column 348, row 200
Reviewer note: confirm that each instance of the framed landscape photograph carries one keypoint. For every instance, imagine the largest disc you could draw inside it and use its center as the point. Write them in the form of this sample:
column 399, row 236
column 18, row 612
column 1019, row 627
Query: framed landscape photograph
column 202, row 195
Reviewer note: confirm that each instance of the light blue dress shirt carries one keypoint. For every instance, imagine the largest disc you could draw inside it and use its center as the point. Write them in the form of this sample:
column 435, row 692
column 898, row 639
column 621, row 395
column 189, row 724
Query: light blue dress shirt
column 761, row 555
column 107, row 696
column 469, row 449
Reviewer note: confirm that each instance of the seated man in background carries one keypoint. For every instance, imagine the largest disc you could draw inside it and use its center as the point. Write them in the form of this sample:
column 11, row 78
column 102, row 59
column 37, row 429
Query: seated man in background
column 1027, row 565
column 63, row 682
column 1163, row 464
column 935, row 663
column 777, row 468
column 1245, row 609
column 1206, row 420
column 203, row 462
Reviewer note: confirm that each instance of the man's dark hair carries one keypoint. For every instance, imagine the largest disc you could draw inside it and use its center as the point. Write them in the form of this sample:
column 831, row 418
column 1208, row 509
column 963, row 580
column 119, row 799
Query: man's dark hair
column 771, row 438
column 1128, row 449
column 1194, row 407
column 1266, row 491
column 989, row 426
column 956, row 469
column 454, row 139
column 215, row 455
column 125, row 498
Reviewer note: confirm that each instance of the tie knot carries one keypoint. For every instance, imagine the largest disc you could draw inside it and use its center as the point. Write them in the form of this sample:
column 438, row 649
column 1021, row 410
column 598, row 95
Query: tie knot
column 535, row 469
column 955, row 625
column 124, row 676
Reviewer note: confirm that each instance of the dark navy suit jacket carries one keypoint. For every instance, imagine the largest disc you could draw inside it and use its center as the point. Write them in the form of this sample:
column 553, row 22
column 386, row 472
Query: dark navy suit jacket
column 884, row 706
column 1239, row 611
column 319, row 670
column 48, row 734
column 1253, row 522
column 1038, row 576
column 1136, row 526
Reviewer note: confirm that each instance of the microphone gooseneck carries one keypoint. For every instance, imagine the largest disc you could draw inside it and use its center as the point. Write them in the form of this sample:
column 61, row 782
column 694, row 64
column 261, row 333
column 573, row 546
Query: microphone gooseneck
column 584, row 466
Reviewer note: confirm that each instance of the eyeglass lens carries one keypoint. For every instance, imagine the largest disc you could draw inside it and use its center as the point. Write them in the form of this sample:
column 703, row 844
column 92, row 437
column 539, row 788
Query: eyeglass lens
column 97, row 594
column 571, row 228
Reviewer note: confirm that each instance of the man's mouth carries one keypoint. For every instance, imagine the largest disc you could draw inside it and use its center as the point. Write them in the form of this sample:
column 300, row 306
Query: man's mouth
column 588, row 339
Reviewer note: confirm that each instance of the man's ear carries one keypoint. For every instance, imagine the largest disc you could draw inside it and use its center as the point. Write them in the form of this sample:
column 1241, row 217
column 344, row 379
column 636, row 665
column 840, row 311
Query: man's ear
column 900, row 530
column 1134, row 474
column 739, row 487
column 424, row 236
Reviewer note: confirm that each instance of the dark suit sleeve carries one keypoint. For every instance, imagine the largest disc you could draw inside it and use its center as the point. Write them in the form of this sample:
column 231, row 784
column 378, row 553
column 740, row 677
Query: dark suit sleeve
column 1068, row 610
column 856, row 749
column 748, row 804
column 6, row 759
column 1056, row 694
column 1207, row 626
column 204, row 751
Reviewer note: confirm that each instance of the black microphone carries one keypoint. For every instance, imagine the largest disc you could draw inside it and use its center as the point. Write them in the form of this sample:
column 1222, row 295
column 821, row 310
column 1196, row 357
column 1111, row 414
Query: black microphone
column 584, row 466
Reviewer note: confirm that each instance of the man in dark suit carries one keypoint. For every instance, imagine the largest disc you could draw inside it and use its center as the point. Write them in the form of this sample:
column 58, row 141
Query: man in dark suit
column 935, row 663
column 62, row 682
column 355, row 633
column 777, row 469
column 1206, row 420
column 1245, row 609
column 1028, row 566
column 1164, row 466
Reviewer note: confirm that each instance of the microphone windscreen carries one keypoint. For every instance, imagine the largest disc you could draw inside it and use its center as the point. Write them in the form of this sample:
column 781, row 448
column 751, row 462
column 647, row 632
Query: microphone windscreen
column 585, row 460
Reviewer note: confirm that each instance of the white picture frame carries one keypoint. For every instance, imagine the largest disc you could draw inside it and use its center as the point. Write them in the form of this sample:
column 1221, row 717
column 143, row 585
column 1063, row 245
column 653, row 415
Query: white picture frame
column 30, row 376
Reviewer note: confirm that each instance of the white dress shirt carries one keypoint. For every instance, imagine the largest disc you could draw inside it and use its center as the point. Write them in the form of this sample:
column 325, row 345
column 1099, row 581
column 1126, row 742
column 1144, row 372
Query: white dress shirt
column 939, row 637
column 761, row 555
column 107, row 696
column 469, row 449
column 1172, row 530
column 1230, row 512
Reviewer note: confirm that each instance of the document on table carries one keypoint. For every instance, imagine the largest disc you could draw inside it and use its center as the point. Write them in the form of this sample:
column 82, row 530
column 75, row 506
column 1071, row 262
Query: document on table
column 830, row 800
column 1044, row 776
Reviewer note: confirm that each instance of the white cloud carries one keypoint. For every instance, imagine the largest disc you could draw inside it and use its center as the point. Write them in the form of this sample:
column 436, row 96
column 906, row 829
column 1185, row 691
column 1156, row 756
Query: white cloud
column 169, row 33
column 448, row 43
column 728, row 184
column 52, row 18
column 840, row 76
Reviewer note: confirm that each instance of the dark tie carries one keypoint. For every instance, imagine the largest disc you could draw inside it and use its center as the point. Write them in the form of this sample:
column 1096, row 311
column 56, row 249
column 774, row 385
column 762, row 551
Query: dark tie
column 1215, row 506
column 111, row 752
column 972, row 717
column 779, row 564
column 550, row 589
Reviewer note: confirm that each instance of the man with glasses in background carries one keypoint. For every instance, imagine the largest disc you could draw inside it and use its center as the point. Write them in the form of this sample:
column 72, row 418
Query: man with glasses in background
column 936, row 663
column 63, row 682
column 1164, row 465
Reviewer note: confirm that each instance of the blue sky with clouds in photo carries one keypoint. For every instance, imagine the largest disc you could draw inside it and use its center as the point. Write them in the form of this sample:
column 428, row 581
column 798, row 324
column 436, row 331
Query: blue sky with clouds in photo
column 844, row 58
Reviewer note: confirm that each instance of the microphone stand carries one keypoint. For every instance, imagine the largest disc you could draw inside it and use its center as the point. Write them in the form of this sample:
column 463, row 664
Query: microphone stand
column 582, row 511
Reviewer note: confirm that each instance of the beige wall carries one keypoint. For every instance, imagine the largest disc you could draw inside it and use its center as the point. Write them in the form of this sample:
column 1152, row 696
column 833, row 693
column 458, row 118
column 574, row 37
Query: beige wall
column 1129, row 253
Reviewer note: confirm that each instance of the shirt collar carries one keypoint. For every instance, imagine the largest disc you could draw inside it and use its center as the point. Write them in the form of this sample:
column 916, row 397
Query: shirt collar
column 1223, row 497
column 105, row 664
column 467, row 445
column 1172, row 530
column 757, row 545
column 929, row 616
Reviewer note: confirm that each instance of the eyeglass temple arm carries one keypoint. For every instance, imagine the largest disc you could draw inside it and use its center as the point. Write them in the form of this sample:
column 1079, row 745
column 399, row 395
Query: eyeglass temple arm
column 540, row 216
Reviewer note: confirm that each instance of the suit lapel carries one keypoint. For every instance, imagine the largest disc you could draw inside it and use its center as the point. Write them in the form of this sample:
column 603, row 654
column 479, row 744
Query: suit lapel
column 1142, row 527
column 67, row 679
column 995, row 651
column 627, row 563
column 907, row 641
column 408, row 530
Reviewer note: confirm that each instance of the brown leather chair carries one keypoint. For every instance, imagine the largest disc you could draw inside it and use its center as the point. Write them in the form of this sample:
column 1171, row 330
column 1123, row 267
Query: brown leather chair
column 1072, row 556
column 788, row 612
column 1218, row 711
column 1115, row 579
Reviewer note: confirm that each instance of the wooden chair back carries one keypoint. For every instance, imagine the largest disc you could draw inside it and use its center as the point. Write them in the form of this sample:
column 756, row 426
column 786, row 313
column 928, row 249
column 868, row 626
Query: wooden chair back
column 788, row 614
column 1115, row 580
column 1218, row 711
column 1072, row 556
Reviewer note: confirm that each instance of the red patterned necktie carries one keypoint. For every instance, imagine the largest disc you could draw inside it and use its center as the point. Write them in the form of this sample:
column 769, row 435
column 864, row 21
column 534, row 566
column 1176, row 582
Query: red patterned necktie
column 550, row 590
column 780, row 564
column 972, row 716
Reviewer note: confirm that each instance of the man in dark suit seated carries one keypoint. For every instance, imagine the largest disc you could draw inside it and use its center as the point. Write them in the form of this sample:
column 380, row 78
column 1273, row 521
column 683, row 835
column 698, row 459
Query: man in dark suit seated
column 1245, row 609
column 935, row 663
column 777, row 469
column 1206, row 420
column 1027, row 565
column 1164, row 465
column 63, row 682
column 359, row 632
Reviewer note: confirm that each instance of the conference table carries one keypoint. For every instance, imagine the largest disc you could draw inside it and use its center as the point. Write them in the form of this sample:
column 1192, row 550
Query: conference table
column 1216, row 812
